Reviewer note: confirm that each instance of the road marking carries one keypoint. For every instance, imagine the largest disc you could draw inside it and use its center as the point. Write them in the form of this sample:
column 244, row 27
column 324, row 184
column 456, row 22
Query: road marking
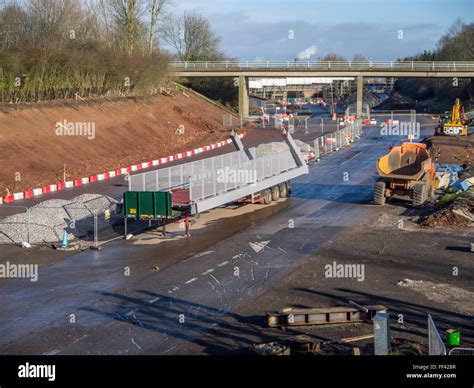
column 223, row 263
column 174, row 289
column 259, row 245
column 208, row 271
column 134, row 342
column 191, row 280
column 212, row 276
column 51, row 352
column 201, row 254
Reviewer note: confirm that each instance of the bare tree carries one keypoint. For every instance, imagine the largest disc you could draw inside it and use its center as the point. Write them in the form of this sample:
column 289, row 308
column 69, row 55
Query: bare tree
column 155, row 9
column 333, row 57
column 191, row 36
column 52, row 20
column 126, row 15
column 359, row 58
column 12, row 25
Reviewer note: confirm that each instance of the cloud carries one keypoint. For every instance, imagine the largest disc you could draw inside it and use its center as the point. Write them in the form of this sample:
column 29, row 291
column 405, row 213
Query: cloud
column 308, row 52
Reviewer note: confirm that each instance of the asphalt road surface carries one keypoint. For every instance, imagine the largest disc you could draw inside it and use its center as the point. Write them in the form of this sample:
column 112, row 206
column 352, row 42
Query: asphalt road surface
column 117, row 301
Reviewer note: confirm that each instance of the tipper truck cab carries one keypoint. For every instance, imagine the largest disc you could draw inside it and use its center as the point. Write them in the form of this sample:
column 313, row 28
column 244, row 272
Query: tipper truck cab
column 407, row 170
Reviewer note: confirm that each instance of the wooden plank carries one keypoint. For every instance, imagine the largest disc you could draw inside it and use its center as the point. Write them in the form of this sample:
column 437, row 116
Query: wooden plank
column 331, row 315
column 357, row 338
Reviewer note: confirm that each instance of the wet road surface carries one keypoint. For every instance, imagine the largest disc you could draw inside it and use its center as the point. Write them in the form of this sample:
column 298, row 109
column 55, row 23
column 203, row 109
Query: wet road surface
column 114, row 302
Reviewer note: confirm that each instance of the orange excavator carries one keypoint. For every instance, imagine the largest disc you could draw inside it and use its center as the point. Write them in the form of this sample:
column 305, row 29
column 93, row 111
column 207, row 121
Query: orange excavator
column 407, row 170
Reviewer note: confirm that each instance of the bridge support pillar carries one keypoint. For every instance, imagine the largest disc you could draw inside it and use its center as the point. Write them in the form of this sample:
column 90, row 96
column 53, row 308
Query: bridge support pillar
column 360, row 90
column 243, row 96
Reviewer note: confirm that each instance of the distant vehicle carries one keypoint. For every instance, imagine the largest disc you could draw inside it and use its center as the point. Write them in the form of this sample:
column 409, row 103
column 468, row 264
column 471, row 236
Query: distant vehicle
column 452, row 124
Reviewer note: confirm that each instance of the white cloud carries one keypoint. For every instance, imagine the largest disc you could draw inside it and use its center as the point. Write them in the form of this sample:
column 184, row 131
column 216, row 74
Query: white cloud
column 308, row 52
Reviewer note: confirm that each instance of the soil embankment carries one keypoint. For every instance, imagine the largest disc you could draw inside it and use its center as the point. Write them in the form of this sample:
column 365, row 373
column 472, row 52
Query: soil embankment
column 108, row 134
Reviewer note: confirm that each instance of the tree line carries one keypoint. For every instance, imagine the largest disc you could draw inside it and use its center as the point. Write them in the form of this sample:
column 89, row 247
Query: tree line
column 62, row 49
column 455, row 45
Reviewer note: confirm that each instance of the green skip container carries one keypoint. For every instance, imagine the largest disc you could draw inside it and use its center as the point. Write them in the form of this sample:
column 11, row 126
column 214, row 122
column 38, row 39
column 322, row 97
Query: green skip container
column 147, row 205
column 453, row 337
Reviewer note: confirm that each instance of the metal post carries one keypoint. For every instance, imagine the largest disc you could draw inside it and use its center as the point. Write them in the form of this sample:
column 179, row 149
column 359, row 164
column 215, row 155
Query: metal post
column 96, row 232
column 28, row 238
column 125, row 227
column 187, row 225
column 382, row 341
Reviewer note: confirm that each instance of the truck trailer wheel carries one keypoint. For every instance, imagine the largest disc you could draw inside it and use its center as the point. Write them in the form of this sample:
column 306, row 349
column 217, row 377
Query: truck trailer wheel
column 420, row 194
column 275, row 193
column 266, row 196
column 379, row 193
column 283, row 190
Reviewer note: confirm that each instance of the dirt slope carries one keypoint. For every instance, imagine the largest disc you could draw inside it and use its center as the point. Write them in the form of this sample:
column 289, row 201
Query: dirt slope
column 127, row 131
column 452, row 149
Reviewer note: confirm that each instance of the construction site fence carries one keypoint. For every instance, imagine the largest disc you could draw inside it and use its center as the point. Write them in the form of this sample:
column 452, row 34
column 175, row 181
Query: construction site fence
column 246, row 173
column 332, row 142
column 436, row 345
column 180, row 175
column 85, row 224
column 461, row 352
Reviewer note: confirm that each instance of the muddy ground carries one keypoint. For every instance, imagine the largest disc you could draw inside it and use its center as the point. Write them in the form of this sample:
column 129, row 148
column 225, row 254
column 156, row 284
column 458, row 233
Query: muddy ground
column 452, row 149
column 127, row 131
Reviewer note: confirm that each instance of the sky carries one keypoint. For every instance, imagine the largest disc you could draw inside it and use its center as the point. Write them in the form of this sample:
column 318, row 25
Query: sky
column 309, row 29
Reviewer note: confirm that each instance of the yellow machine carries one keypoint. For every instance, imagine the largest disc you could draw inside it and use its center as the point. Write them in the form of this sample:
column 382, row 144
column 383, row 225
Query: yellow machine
column 407, row 170
column 453, row 126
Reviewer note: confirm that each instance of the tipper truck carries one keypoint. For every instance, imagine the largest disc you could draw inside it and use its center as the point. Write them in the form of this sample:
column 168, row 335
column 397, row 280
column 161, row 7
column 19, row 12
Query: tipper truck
column 407, row 170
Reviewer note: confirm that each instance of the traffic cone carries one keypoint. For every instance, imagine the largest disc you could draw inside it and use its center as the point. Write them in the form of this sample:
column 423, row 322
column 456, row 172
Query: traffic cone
column 64, row 243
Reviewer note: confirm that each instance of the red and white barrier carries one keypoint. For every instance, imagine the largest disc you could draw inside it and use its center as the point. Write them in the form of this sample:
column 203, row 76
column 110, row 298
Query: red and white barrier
column 110, row 174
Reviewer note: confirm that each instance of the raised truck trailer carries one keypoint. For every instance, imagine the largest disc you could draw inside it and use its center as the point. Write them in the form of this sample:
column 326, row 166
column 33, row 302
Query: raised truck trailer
column 187, row 189
column 407, row 170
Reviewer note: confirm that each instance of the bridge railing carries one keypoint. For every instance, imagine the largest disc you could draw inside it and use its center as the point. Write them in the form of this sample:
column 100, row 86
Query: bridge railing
column 454, row 66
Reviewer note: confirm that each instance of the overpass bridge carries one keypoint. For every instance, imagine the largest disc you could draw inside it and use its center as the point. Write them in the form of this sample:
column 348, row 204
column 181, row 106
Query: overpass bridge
column 267, row 69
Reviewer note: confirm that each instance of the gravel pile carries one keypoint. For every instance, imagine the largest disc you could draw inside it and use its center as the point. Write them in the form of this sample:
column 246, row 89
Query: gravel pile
column 278, row 146
column 457, row 214
column 304, row 147
column 49, row 219
column 270, row 148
